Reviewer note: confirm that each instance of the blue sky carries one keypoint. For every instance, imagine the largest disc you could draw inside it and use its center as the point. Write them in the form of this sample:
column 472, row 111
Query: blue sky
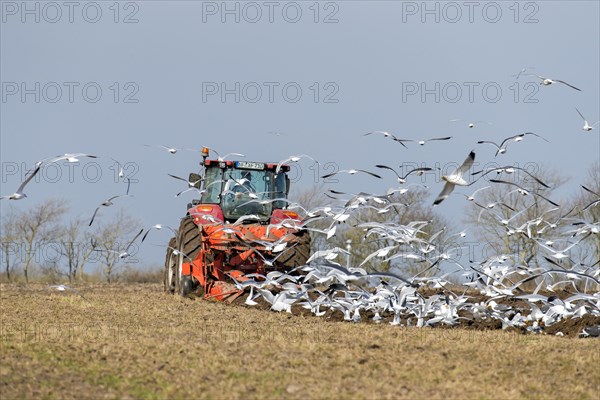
column 157, row 74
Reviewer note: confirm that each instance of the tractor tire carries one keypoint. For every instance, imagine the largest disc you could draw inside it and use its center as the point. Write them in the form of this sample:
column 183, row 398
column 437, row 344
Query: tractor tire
column 189, row 245
column 297, row 256
column 170, row 267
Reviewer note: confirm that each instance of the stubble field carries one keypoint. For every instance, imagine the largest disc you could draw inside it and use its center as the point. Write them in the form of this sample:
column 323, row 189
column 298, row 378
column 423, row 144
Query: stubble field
column 134, row 341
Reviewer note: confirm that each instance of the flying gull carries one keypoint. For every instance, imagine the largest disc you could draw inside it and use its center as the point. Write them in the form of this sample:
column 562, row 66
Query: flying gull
column 471, row 124
column 402, row 179
column 351, row 172
column 18, row 195
column 586, row 126
column 455, row 178
column 106, row 203
column 387, row 134
column 549, row 81
column 501, row 148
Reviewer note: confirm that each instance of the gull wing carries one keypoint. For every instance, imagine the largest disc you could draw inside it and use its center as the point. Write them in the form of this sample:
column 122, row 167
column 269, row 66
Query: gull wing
column 568, row 84
column 468, row 163
column 448, row 188
column 26, row 181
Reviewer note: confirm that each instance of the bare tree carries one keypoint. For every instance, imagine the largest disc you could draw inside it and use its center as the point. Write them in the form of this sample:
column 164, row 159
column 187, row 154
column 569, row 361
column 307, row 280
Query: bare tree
column 36, row 228
column 76, row 246
column 112, row 238
column 8, row 239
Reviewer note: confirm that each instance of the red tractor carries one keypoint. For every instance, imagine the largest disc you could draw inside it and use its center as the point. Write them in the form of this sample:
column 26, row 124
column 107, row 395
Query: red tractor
column 240, row 225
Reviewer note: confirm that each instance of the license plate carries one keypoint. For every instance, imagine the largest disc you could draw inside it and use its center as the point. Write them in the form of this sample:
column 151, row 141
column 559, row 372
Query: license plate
column 250, row 165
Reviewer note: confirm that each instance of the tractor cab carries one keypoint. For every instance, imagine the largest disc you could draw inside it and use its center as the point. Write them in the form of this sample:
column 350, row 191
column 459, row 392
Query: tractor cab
column 242, row 188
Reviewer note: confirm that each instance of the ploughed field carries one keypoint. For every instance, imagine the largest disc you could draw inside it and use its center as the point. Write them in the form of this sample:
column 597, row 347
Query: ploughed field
column 134, row 341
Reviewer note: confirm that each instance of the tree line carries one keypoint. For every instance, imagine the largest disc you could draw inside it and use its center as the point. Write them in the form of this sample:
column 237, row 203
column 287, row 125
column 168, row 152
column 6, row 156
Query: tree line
column 40, row 240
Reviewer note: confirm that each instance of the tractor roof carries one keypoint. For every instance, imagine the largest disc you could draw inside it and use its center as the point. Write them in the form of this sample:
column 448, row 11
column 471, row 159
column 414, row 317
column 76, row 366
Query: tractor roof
column 251, row 165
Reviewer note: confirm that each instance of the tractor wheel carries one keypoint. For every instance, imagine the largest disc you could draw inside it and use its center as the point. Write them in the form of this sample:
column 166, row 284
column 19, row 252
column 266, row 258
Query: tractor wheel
column 170, row 267
column 298, row 255
column 189, row 245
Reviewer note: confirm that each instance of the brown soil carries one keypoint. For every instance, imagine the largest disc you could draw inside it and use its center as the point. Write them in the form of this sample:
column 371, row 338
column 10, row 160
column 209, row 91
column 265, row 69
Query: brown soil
column 571, row 327
column 137, row 342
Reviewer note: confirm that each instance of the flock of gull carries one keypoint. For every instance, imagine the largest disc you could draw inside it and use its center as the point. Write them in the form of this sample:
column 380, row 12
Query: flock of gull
column 495, row 289
column 529, row 294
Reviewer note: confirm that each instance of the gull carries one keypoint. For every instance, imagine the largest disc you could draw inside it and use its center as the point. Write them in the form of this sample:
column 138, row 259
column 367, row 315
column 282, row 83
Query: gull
column 422, row 142
column 472, row 196
column 171, row 150
column 386, row 275
column 266, row 201
column 191, row 184
column 361, row 198
column 106, row 203
column 121, row 171
column 593, row 203
column 548, row 81
column 570, row 274
column 18, row 195
column 402, row 179
column 405, row 256
column 471, row 124
column 330, row 232
column 524, row 191
column 509, row 170
column 222, row 158
column 381, row 253
column 292, row 159
column 455, row 178
column 501, row 148
column 125, row 253
column 70, row 157
column 387, row 134
column 64, row 288
column 590, row 191
column 121, row 174
column 250, row 299
column 560, row 254
column 351, row 172
column 586, row 126
column 403, row 190
column 387, row 208
column 159, row 227
column 282, row 302
column 269, row 261
column 229, row 229
column 492, row 205
column 504, row 221
column 585, row 227
column 591, row 331
column 328, row 254
column 201, row 192
column 550, row 288
column 247, row 217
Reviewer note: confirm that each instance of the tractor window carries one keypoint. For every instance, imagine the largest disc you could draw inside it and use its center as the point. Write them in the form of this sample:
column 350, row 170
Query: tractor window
column 244, row 191
column 212, row 186
column 248, row 191
column 280, row 191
